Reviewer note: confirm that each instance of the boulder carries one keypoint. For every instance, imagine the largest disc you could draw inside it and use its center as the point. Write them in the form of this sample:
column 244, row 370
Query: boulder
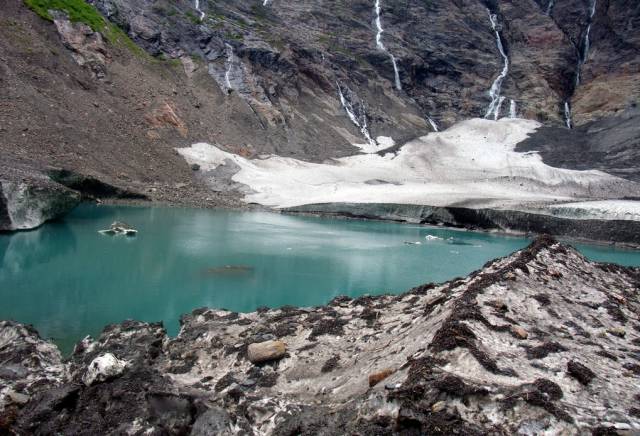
column 580, row 372
column 102, row 368
column 27, row 204
column 617, row 331
column 377, row 377
column 519, row 332
column 266, row 351
column 87, row 47
column 215, row 421
column 17, row 398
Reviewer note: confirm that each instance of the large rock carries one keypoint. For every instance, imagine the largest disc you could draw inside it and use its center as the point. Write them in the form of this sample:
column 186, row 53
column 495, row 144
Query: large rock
column 102, row 368
column 266, row 351
column 28, row 365
column 27, row 203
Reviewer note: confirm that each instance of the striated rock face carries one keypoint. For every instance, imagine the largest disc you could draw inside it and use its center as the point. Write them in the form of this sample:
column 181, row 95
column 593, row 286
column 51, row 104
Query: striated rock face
column 29, row 365
column 288, row 58
column 439, row 359
column 28, row 199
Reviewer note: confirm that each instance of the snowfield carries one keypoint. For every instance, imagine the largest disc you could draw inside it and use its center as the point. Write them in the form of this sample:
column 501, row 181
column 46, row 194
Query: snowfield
column 472, row 164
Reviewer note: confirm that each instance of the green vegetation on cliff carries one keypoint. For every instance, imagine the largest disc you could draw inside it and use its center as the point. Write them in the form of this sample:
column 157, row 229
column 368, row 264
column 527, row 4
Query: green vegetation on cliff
column 77, row 10
column 81, row 11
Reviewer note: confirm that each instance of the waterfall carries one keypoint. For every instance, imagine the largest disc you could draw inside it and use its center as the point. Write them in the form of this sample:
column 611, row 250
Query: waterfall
column 202, row 14
column 582, row 59
column 494, row 92
column 381, row 46
column 434, row 126
column 513, row 112
column 567, row 115
column 586, row 45
column 499, row 107
column 362, row 123
column 230, row 60
column 550, row 6
column 266, row 2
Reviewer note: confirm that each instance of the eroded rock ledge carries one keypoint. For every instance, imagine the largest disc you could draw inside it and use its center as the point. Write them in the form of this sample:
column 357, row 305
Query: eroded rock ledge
column 600, row 230
column 28, row 199
column 539, row 341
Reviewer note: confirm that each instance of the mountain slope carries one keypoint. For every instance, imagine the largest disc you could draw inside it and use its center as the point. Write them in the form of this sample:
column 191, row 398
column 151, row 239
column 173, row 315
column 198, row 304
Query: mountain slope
column 309, row 80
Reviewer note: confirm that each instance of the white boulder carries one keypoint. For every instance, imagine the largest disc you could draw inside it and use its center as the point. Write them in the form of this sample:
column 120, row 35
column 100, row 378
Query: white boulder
column 103, row 368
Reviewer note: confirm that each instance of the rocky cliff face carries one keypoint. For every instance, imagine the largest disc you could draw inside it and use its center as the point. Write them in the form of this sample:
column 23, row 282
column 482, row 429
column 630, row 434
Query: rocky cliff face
column 446, row 54
column 28, row 199
column 540, row 341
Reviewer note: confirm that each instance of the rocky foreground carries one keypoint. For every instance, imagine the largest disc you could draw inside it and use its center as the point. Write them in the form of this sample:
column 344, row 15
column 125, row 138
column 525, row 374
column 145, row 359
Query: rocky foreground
column 540, row 342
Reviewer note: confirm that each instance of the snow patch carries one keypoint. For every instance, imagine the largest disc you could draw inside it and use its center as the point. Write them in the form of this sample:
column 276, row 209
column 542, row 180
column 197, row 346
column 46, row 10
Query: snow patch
column 472, row 162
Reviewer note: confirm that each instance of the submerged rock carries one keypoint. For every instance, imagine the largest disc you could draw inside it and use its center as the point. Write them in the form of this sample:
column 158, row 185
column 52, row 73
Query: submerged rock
column 459, row 369
column 119, row 228
column 228, row 269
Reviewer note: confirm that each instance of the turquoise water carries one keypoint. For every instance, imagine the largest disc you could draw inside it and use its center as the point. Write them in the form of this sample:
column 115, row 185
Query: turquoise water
column 68, row 280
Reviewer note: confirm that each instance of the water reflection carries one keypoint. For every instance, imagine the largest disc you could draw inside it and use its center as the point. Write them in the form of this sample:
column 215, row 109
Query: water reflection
column 70, row 281
column 22, row 249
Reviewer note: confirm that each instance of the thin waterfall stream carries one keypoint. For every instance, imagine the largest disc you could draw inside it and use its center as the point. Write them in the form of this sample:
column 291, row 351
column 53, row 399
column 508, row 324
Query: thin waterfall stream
column 496, row 87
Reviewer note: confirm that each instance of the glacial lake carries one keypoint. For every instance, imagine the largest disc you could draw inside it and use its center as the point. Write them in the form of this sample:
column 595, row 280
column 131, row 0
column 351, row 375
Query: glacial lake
column 69, row 281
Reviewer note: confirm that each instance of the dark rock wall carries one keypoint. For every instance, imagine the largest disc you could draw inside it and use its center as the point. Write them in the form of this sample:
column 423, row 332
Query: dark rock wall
column 445, row 50
column 5, row 219
column 611, row 144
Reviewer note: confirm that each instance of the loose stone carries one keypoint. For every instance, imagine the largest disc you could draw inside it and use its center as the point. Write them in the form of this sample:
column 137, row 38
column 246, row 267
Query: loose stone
column 377, row 377
column 266, row 351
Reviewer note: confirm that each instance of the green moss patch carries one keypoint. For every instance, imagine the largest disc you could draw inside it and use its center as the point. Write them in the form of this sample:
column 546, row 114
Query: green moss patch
column 82, row 12
column 77, row 10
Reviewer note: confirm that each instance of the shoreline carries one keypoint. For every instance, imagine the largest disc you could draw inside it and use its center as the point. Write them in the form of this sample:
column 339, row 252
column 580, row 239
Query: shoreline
column 453, row 218
column 299, row 210
column 462, row 346
column 618, row 233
